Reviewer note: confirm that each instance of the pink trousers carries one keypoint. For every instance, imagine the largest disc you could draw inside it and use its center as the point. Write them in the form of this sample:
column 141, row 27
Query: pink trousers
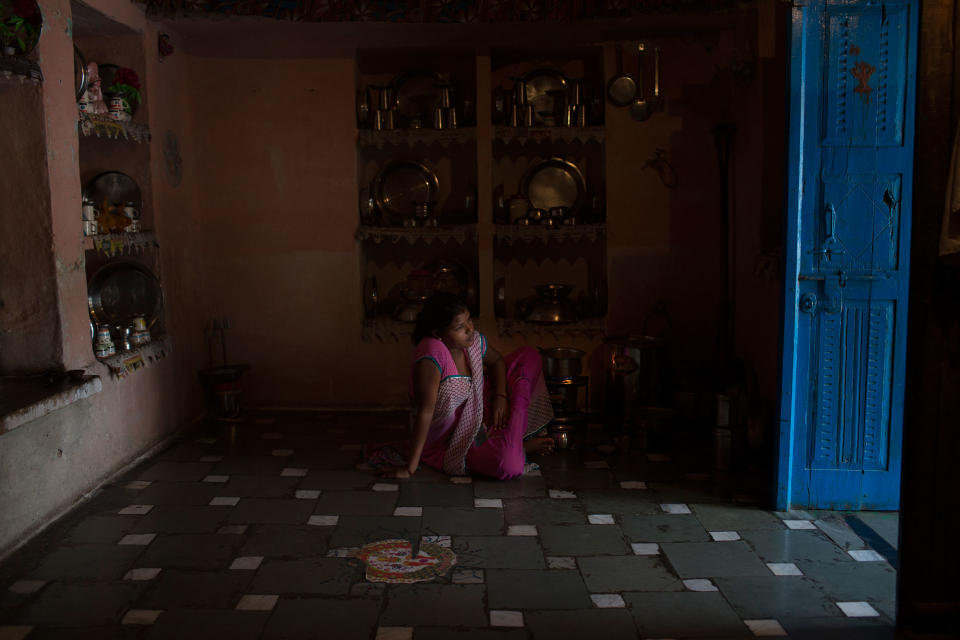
column 501, row 456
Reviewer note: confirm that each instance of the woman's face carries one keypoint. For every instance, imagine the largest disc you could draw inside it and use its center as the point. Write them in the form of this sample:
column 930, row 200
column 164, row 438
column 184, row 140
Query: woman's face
column 459, row 335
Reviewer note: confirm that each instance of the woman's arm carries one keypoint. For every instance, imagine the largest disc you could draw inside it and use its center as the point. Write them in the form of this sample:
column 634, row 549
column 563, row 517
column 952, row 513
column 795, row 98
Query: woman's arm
column 426, row 385
column 493, row 362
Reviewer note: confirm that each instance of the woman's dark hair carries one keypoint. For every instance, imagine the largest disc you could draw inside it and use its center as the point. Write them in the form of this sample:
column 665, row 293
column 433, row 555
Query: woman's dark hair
column 437, row 314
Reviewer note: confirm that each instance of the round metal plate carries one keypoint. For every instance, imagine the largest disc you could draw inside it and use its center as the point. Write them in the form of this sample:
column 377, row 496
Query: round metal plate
column 121, row 291
column 544, row 88
column 554, row 183
column 401, row 186
column 417, row 94
column 115, row 188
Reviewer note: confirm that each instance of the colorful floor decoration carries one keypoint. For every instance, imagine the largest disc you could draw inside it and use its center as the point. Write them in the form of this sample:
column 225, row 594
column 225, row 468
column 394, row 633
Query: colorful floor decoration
column 393, row 561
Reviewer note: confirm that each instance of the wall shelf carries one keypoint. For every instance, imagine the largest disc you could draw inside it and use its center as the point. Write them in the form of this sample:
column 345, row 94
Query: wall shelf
column 20, row 67
column 590, row 327
column 114, row 244
column 514, row 233
column 100, row 126
column 459, row 233
column 123, row 364
column 412, row 137
column 537, row 135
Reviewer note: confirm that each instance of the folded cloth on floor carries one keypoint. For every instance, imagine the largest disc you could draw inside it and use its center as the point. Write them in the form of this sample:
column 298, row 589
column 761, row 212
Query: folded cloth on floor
column 385, row 456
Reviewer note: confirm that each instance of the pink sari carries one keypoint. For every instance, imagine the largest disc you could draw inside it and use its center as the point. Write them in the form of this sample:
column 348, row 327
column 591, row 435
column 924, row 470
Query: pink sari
column 452, row 444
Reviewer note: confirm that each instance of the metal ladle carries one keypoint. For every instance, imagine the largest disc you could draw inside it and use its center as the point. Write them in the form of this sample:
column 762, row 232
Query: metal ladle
column 640, row 109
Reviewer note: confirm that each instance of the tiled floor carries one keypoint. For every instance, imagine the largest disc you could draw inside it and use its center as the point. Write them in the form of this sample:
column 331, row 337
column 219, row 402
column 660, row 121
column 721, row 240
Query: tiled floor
column 244, row 531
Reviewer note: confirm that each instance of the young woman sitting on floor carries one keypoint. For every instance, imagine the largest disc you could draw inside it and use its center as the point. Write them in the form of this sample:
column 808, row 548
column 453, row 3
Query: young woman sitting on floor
column 465, row 420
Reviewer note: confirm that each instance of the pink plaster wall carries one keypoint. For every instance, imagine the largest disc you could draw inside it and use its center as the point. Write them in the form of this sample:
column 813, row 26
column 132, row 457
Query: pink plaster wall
column 29, row 323
column 276, row 202
column 49, row 463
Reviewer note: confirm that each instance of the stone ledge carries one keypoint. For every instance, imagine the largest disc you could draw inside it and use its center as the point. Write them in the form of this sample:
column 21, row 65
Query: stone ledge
column 25, row 399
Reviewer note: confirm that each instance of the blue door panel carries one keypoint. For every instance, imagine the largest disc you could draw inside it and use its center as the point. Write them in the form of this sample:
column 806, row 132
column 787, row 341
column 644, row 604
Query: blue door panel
column 848, row 232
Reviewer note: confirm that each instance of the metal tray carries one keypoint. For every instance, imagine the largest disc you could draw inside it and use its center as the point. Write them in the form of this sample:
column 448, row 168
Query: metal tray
column 114, row 187
column 554, row 183
column 400, row 187
column 120, row 291
column 417, row 95
column 543, row 87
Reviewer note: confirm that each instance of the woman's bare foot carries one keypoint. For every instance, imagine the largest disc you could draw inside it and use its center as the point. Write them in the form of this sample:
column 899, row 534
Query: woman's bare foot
column 542, row 445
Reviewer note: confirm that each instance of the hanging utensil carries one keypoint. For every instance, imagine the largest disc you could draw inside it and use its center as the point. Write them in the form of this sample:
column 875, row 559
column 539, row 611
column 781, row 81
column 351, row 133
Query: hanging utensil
column 622, row 88
column 640, row 109
column 657, row 101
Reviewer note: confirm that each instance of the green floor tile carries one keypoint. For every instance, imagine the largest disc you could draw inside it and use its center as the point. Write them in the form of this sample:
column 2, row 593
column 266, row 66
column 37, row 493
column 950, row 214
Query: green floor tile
column 583, row 540
column 619, row 501
column 663, row 528
column 543, row 511
column 709, row 559
column 499, row 552
column 608, row 624
column 723, row 517
column 462, row 521
column 434, row 605
column 607, row 574
column 524, row 589
column 356, row 531
column 776, row 596
column 684, row 615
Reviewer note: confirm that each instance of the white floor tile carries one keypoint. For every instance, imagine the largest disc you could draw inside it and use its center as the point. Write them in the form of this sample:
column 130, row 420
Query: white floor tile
column 386, row 486
column 211, row 458
column 467, row 576
column 324, row 521
column 645, row 548
column 461, row 480
column 765, row 628
column 138, row 539
column 137, row 485
column 699, row 584
column 408, row 511
column 141, row 616
column 225, row 501
column 14, row 631
column 136, row 510
column 142, row 574
column 724, row 536
column 394, row 633
column 488, row 503
column 535, row 473
column 443, row 541
column 282, row 453
column 866, row 555
column 799, row 524
column 784, row 569
column 600, row 518
column 252, row 602
column 522, row 530
column 608, row 601
column 216, row 479
column 633, row 484
column 675, row 508
column 562, row 495
column 233, row 529
column 858, row 610
column 294, row 472
column 506, row 618
column 246, row 563
column 26, row 586
column 561, row 562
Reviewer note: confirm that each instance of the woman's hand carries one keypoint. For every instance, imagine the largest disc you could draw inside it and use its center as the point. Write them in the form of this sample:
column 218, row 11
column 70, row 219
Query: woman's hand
column 499, row 410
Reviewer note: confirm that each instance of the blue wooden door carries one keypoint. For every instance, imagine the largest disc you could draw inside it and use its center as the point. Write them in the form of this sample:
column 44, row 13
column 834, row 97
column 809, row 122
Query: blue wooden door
column 849, row 201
